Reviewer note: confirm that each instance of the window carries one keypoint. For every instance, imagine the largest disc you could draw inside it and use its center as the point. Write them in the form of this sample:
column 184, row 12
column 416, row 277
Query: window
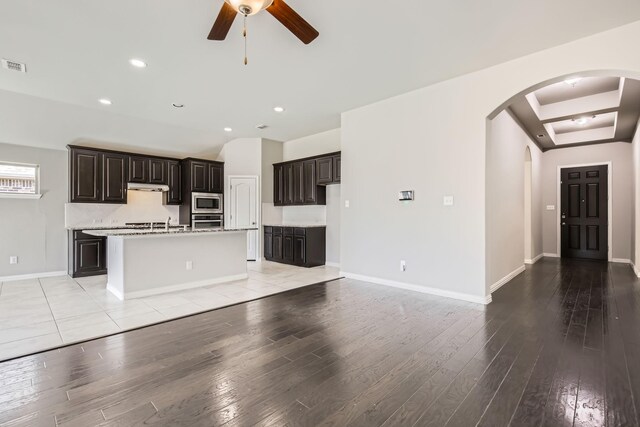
column 19, row 180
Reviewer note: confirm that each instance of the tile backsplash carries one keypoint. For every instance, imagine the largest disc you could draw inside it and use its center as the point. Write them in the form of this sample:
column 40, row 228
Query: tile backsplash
column 141, row 207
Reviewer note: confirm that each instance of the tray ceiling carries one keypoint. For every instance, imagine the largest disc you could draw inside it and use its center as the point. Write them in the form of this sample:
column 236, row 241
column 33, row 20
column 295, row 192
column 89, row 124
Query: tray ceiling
column 580, row 111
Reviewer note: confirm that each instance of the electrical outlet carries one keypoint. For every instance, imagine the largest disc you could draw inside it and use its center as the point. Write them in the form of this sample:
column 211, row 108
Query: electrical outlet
column 403, row 265
column 447, row 200
column 13, row 259
column 189, row 265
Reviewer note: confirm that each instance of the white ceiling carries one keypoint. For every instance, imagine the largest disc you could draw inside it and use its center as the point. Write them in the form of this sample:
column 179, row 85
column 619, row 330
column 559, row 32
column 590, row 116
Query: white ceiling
column 77, row 51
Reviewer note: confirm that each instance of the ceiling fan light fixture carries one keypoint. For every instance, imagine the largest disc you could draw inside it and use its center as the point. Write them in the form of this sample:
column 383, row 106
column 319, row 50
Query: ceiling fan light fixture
column 249, row 7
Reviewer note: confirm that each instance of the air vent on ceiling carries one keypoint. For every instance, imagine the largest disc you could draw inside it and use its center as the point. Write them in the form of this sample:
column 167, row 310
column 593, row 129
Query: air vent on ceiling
column 261, row 127
column 14, row 66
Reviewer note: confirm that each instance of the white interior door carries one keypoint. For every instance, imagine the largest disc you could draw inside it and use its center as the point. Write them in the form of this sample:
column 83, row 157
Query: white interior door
column 244, row 210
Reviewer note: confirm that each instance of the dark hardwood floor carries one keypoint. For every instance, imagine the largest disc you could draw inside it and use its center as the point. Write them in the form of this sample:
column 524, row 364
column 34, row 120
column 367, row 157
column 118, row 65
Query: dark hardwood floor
column 559, row 346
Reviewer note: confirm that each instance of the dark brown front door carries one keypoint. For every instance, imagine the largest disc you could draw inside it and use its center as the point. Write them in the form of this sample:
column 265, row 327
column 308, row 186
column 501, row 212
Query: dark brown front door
column 584, row 214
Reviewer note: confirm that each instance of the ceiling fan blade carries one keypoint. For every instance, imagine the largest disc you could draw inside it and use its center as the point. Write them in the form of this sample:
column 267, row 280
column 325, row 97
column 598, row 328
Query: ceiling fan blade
column 294, row 22
column 223, row 23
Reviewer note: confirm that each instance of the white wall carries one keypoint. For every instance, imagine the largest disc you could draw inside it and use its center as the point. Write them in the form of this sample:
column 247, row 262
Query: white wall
column 312, row 145
column 506, row 148
column 620, row 155
column 34, row 229
column 635, row 199
column 433, row 140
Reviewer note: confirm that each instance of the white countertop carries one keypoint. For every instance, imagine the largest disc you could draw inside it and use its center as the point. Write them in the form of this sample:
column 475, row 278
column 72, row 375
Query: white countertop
column 127, row 232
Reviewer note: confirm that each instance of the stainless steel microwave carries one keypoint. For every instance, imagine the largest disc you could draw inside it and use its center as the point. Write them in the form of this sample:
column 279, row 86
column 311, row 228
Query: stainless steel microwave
column 206, row 203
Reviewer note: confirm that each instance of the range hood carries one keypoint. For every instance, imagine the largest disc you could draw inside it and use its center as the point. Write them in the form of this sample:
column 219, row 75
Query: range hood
column 147, row 187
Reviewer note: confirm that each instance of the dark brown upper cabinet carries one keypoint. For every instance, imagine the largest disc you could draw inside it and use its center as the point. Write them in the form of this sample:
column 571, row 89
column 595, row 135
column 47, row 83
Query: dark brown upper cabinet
column 216, row 178
column 114, row 176
column 203, row 176
column 287, row 172
column 101, row 176
column 158, row 171
column 86, row 176
column 337, row 168
column 174, row 170
column 298, row 183
column 325, row 170
column 310, row 186
column 303, row 182
column 278, row 185
column 199, row 176
column 138, row 169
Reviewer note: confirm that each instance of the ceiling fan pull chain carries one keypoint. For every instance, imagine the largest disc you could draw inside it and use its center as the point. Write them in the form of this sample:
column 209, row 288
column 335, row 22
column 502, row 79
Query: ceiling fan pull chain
column 244, row 34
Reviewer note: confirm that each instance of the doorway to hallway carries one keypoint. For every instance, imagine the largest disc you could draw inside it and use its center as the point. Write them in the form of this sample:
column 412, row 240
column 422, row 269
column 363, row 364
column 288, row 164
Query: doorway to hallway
column 584, row 215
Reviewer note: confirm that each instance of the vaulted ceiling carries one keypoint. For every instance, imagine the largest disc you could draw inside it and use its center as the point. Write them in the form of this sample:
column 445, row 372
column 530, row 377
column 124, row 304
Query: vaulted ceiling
column 77, row 52
column 580, row 111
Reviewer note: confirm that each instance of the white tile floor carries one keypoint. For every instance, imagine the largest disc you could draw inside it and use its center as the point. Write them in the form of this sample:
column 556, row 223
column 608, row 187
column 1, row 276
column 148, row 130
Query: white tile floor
column 40, row 314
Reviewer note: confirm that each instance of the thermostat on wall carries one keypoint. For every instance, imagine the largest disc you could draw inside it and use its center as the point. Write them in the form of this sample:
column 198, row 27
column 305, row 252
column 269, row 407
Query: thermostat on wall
column 404, row 196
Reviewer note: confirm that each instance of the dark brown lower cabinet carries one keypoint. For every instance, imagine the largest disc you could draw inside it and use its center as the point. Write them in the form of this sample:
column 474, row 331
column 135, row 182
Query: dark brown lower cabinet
column 87, row 254
column 303, row 246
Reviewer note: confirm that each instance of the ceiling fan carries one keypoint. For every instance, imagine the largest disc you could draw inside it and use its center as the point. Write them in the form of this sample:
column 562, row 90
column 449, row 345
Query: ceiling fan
column 278, row 8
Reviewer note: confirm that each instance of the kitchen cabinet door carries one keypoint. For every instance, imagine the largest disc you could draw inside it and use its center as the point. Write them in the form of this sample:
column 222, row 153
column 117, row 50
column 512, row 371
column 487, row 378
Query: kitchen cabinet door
column 287, row 249
column 268, row 245
column 298, row 183
column 310, row 185
column 86, row 176
column 287, row 170
column 216, row 178
column 324, row 168
column 199, row 176
column 175, row 183
column 299, row 253
column 277, row 247
column 114, row 177
column 278, row 185
column 337, row 168
column 89, row 257
column 138, row 169
column 158, row 171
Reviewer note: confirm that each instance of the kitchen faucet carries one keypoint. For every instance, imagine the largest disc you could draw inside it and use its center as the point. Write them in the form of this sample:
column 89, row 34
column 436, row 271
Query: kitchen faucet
column 166, row 224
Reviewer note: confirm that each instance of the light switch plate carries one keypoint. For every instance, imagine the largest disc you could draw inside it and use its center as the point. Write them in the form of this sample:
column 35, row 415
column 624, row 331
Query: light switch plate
column 551, row 207
column 346, row 203
column 13, row 259
column 447, row 200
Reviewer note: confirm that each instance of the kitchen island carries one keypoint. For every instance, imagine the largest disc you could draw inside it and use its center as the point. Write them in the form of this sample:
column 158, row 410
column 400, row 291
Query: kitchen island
column 143, row 262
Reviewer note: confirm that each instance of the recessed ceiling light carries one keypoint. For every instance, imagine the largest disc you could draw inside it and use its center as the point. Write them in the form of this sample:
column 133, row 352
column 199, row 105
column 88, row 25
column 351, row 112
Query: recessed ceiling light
column 228, row 129
column 581, row 121
column 105, row 101
column 278, row 109
column 175, row 104
column 573, row 81
column 138, row 63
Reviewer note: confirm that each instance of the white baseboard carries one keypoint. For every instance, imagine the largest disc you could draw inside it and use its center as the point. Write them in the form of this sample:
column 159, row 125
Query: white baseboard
column 33, row 276
column 506, row 279
column 332, row 264
column 621, row 260
column 418, row 288
column 534, row 260
column 550, row 255
column 173, row 288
